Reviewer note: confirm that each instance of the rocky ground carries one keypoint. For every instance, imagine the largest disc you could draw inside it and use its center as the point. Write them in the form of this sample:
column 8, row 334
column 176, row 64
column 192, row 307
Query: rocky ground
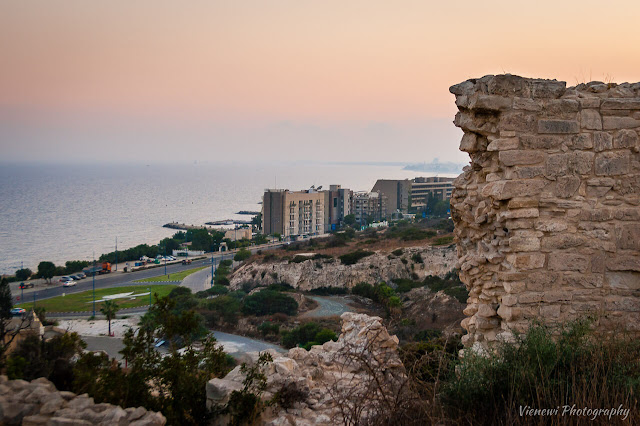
column 39, row 403
column 383, row 265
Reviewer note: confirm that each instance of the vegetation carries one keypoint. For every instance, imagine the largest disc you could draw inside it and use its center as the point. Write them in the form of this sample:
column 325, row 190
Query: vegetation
column 178, row 276
column 77, row 302
column 451, row 285
column 405, row 285
column 443, row 241
column 46, row 270
column 380, row 293
column 23, row 274
column 546, row 367
column 109, row 309
column 307, row 335
column 267, row 302
column 242, row 255
column 353, row 257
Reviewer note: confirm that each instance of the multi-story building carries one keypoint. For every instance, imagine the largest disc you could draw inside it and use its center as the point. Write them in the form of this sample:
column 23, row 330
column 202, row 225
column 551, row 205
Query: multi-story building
column 293, row 214
column 397, row 193
column 368, row 205
column 337, row 205
column 424, row 187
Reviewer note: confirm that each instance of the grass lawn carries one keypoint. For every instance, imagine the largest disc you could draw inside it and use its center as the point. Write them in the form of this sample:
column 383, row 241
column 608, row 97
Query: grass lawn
column 81, row 301
column 178, row 276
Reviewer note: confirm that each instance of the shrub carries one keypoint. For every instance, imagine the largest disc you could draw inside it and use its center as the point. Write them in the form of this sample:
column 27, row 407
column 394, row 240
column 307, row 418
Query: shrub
column 363, row 289
column 546, row 367
column 268, row 302
column 319, row 256
column 307, row 335
column 242, row 255
column 326, row 291
column 280, row 287
column 397, row 252
column 226, row 307
column 269, row 328
column 417, row 258
column 353, row 257
column 404, row 285
column 213, row 291
column 299, row 259
column 443, row 241
column 404, row 261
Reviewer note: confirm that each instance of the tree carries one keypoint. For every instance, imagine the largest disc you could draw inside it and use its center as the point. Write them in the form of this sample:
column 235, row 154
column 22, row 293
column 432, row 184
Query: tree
column 46, row 270
column 109, row 309
column 9, row 327
column 23, row 274
column 242, row 254
column 350, row 219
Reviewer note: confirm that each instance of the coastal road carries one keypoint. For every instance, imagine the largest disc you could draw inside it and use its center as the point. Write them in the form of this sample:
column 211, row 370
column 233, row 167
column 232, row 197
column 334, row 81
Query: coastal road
column 328, row 306
column 120, row 279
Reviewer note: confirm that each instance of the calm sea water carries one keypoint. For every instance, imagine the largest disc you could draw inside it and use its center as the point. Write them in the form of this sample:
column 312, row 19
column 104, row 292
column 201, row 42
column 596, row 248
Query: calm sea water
column 61, row 213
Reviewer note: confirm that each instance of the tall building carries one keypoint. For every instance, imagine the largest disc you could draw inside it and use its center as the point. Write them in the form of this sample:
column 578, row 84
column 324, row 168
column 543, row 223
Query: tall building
column 293, row 214
column 397, row 193
column 337, row 205
column 424, row 187
column 372, row 205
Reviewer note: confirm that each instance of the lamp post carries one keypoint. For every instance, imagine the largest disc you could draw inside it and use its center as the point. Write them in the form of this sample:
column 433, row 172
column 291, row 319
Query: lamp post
column 149, row 288
column 212, row 269
column 116, row 253
column 94, row 285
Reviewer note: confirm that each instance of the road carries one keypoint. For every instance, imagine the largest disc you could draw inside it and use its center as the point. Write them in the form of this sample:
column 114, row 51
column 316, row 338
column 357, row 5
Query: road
column 328, row 306
column 120, row 279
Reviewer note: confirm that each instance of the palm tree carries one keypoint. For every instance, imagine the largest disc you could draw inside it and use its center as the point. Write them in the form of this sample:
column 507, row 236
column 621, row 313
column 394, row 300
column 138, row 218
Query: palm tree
column 109, row 309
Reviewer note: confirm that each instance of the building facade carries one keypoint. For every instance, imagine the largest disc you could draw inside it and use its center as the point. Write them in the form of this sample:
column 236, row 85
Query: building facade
column 397, row 193
column 424, row 187
column 368, row 207
column 337, row 205
column 292, row 214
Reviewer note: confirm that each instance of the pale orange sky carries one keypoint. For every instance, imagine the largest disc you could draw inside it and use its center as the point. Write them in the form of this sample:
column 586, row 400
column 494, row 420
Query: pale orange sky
column 79, row 74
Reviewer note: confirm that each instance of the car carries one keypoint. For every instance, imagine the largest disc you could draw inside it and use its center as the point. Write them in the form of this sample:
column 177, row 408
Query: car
column 76, row 277
column 81, row 275
column 26, row 285
column 64, row 279
column 70, row 283
column 186, row 261
column 18, row 311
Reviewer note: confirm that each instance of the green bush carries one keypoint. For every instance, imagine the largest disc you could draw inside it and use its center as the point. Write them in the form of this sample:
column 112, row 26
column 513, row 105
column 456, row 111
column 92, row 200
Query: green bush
column 307, row 335
column 443, row 241
column 327, row 291
column 353, row 257
column 242, row 255
column 417, row 258
column 397, row 252
column 269, row 328
column 404, row 285
column 213, row 291
column 268, row 302
column 299, row 259
column 225, row 307
column 363, row 289
column 546, row 367
column 451, row 285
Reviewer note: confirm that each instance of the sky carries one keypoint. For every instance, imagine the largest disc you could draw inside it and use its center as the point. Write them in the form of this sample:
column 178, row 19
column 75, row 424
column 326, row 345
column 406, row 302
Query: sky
column 161, row 81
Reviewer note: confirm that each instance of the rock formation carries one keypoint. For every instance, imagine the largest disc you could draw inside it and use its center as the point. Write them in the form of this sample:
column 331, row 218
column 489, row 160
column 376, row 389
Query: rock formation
column 334, row 378
column 547, row 214
column 373, row 269
column 39, row 403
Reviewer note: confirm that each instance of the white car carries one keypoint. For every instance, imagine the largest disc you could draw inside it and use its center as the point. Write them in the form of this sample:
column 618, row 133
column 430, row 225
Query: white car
column 69, row 283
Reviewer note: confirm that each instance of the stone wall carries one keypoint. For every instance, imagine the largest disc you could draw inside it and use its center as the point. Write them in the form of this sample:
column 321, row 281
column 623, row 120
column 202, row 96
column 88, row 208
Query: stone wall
column 547, row 214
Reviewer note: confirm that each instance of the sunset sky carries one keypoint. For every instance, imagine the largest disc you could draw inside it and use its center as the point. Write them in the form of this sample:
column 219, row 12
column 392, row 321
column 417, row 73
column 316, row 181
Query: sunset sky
column 206, row 80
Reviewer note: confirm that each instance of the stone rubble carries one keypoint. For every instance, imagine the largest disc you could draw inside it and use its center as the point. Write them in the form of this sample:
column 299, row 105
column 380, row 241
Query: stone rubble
column 38, row 403
column 381, row 266
column 547, row 214
column 340, row 372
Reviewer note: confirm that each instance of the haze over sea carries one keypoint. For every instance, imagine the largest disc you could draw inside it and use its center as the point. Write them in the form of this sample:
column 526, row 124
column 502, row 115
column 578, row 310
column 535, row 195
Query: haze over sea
column 68, row 212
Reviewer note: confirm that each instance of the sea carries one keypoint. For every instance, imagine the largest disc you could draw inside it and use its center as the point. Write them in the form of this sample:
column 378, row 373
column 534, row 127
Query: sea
column 75, row 212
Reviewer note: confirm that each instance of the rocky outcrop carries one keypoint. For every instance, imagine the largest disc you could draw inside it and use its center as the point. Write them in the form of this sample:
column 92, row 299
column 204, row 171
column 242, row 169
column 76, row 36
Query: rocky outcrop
column 429, row 310
column 547, row 214
column 333, row 379
column 39, row 403
column 381, row 266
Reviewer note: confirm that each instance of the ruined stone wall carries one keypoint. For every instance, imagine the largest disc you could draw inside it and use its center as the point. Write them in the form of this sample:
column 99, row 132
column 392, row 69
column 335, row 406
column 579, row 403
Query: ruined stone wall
column 547, row 214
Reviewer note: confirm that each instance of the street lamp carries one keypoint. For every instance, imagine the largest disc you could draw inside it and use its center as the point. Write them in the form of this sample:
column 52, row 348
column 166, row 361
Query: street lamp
column 94, row 285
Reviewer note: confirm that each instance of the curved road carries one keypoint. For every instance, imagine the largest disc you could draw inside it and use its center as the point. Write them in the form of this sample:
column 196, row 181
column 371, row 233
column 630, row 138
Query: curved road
column 328, row 306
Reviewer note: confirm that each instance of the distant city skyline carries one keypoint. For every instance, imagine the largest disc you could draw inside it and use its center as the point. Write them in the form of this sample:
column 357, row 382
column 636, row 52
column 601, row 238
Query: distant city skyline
column 163, row 82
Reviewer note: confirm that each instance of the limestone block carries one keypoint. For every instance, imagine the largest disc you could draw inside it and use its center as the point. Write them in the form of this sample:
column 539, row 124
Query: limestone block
column 581, row 162
column 621, row 104
column 518, row 157
column 527, row 261
column 626, row 139
column 527, row 104
column 615, row 123
column 543, row 141
column 503, row 144
column 517, row 120
column 590, row 119
column 558, row 126
column 557, row 165
column 628, row 236
column 490, row 102
column 566, row 186
column 569, row 262
column 504, row 190
column 612, row 163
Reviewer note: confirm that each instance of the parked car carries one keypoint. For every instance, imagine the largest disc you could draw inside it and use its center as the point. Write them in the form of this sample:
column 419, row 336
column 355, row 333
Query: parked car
column 17, row 311
column 26, row 285
column 82, row 275
column 64, row 279
column 186, row 261
column 70, row 283
column 76, row 277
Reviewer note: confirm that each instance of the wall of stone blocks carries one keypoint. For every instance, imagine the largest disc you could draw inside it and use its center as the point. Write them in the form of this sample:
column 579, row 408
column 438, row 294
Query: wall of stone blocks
column 547, row 213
